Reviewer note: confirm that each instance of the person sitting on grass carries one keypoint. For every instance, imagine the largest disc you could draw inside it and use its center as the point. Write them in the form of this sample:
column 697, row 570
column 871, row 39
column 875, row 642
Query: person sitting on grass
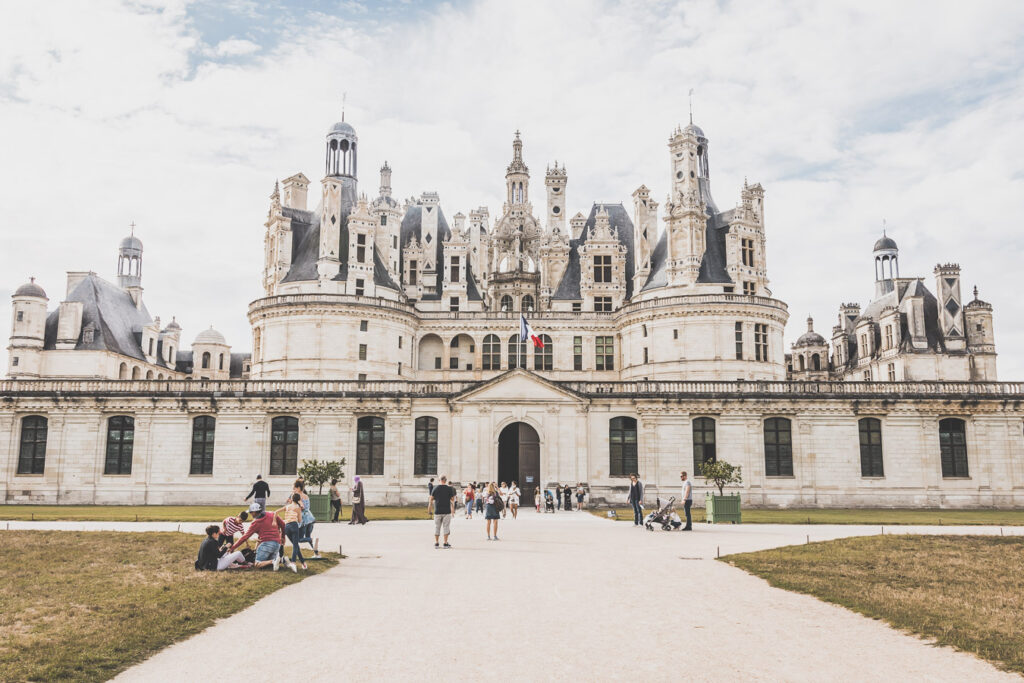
column 231, row 526
column 215, row 558
column 269, row 529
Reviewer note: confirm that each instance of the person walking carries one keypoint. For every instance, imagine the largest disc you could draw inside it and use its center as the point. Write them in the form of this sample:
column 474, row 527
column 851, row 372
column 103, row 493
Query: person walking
column 687, row 500
column 307, row 521
column 269, row 529
column 581, row 493
column 358, row 503
column 260, row 492
column 292, row 525
column 442, row 503
column 492, row 509
column 470, row 496
column 513, row 499
column 335, row 501
column 558, row 496
column 503, row 492
column 636, row 497
column 480, row 487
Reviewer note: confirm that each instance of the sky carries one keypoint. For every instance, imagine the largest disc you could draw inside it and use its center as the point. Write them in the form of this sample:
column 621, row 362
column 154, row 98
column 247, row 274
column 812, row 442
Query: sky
column 180, row 116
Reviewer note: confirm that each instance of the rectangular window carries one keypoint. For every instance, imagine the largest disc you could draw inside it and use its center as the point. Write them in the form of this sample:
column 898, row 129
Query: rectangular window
column 603, row 268
column 399, row 342
column 363, row 324
column 675, row 334
column 360, row 288
column 32, row 454
column 361, row 248
column 604, row 353
column 14, row 361
column 778, row 447
column 120, row 442
column 747, row 251
column 383, row 219
column 645, row 356
column 577, row 353
column 749, row 288
column 399, row 369
column 739, row 341
column 412, row 272
column 437, row 363
column 425, row 456
column 953, row 447
column 761, row 341
column 361, row 377
column 453, row 304
column 577, row 306
column 892, row 372
column 362, row 352
column 21, row 316
column 394, row 241
column 453, row 275
column 203, row 428
column 703, row 443
column 370, row 446
column 888, row 336
column 622, row 451
column 867, row 375
column 150, row 346
column 284, row 445
column 603, row 304
column 864, row 346
column 871, row 447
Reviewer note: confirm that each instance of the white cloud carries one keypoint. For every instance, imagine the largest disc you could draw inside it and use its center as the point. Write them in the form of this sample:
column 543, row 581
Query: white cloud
column 848, row 113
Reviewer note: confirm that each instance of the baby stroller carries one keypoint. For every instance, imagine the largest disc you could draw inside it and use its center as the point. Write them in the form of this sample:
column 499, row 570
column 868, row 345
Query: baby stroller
column 549, row 502
column 666, row 516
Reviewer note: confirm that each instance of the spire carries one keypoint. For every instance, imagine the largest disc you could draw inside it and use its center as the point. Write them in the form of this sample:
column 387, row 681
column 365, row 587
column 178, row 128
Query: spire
column 975, row 290
column 810, row 324
column 343, row 107
column 691, row 106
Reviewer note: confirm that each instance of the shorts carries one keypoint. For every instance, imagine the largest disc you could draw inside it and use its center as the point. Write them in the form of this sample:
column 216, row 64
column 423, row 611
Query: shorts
column 443, row 522
column 267, row 550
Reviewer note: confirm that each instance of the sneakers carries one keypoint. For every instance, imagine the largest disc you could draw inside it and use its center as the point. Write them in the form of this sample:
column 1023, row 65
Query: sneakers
column 294, row 567
column 448, row 546
column 277, row 562
column 316, row 547
column 496, row 538
column 437, row 545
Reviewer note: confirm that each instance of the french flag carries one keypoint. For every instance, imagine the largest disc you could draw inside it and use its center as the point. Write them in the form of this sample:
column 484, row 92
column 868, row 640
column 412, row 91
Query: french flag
column 526, row 332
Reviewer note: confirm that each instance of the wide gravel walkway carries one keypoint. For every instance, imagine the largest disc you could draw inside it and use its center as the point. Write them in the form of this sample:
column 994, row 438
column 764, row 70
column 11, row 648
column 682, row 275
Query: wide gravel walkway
column 564, row 596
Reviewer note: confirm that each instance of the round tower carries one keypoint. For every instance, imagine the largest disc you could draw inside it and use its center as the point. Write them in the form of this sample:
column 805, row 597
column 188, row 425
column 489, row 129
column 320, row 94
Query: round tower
column 211, row 356
column 25, row 351
column 341, row 150
column 887, row 264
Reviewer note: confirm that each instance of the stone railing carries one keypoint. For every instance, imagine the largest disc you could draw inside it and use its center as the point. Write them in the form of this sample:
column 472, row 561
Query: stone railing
column 697, row 299
column 333, row 299
column 639, row 389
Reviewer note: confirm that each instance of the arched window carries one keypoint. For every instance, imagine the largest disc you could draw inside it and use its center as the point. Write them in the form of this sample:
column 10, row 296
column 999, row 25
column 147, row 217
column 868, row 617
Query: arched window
column 506, row 303
column 203, row 428
column 284, row 445
column 206, row 359
column 370, row 445
column 516, row 352
column 492, row 352
column 122, row 372
column 159, row 376
column 622, row 455
column 136, row 372
column 953, row 447
column 149, row 374
column 120, row 442
column 425, row 458
column 800, row 363
column 528, row 303
column 32, row 454
column 220, row 362
column 543, row 359
column 778, row 447
column 815, row 362
column 870, row 447
column 703, row 443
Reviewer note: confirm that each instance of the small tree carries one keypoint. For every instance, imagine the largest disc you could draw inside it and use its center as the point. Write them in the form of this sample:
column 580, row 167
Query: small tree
column 317, row 473
column 721, row 474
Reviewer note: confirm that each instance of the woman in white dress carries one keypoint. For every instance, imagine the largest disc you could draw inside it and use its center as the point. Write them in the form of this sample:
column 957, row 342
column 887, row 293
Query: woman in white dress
column 503, row 492
column 513, row 499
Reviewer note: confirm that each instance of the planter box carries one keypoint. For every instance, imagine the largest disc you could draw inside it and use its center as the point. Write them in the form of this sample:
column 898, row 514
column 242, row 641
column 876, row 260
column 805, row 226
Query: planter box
column 320, row 506
column 723, row 508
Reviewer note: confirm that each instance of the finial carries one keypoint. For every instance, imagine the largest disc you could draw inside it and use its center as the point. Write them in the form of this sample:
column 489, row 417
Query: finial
column 975, row 291
column 132, row 226
column 810, row 324
column 33, row 280
column 343, row 95
column 883, row 227
column 691, row 106
column 517, row 134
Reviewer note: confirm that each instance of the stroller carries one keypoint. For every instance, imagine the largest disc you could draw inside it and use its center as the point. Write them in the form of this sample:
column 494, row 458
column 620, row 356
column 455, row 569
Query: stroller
column 666, row 516
column 549, row 502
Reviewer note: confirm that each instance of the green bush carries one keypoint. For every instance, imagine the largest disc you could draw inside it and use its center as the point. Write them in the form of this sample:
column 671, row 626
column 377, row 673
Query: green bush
column 721, row 474
column 317, row 473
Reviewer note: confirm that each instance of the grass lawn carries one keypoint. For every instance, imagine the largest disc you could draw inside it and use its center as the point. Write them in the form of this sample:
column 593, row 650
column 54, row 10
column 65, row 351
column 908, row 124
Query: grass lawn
column 82, row 606
column 963, row 591
column 886, row 516
column 170, row 513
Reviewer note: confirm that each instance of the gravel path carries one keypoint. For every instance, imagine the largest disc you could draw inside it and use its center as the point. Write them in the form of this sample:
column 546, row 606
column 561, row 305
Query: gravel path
column 565, row 596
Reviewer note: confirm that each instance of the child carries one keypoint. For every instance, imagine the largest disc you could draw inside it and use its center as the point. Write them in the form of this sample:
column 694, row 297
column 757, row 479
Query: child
column 537, row 499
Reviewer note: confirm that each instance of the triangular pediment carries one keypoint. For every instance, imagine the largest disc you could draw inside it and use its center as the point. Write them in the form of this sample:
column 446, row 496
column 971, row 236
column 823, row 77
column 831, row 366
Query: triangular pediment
column 519, row 386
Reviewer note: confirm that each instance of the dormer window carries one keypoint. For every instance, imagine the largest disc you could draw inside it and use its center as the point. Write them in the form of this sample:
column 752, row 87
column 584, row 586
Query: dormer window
column 602, row 268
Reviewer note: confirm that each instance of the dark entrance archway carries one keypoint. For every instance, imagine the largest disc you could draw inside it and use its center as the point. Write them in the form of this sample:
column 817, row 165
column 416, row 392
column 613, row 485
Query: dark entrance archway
column 519, row 459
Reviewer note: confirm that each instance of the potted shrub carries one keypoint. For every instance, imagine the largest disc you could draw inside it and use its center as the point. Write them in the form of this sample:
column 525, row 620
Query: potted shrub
column 722, row 508
column 317, row 473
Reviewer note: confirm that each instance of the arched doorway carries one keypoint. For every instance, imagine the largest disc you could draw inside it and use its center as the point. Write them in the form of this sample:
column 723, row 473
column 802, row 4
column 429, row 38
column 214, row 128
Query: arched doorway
column 519, row 459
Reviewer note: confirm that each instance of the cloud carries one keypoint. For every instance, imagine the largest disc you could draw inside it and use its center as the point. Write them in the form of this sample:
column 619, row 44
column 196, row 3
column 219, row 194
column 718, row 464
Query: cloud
column 182, row 117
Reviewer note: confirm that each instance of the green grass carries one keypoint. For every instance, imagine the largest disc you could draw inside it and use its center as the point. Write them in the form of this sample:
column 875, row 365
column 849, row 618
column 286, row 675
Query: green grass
column 962, row 591
column 170, row 513
column 886, row 516
column 82, row 606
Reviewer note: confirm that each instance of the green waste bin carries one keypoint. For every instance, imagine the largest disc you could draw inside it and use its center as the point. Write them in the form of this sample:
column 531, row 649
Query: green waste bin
column 723, row 508
column 320, row 506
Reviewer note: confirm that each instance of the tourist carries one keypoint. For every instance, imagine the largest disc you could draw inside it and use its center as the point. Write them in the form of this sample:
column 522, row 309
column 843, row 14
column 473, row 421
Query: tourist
column 567, row 493
column 335, row 501
column 442, row 502
column 503, row 491
column 308, row 520
column 493, row 506
column 580, row 495
column 687, row 500
column 513, row 499
column 469, row 495
column 213, row 556
column 538, row 497
column 635, row 498
column 261, row 491
column 231, row 526
column 430, row 488
column 358, row 502
column 293, row 525
column 269, row 529
column 480, row 497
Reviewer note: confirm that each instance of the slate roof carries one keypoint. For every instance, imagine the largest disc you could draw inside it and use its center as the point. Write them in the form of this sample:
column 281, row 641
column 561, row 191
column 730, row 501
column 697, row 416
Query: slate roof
column 412, row 226
column 116, row 321
column 713, row 264
column 873, row 312
column 306, row 250
column 569, row 286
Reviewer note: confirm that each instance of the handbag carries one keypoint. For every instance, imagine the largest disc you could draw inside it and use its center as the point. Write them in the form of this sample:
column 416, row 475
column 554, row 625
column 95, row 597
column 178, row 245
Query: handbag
column 499, row 504
column 356, row 500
